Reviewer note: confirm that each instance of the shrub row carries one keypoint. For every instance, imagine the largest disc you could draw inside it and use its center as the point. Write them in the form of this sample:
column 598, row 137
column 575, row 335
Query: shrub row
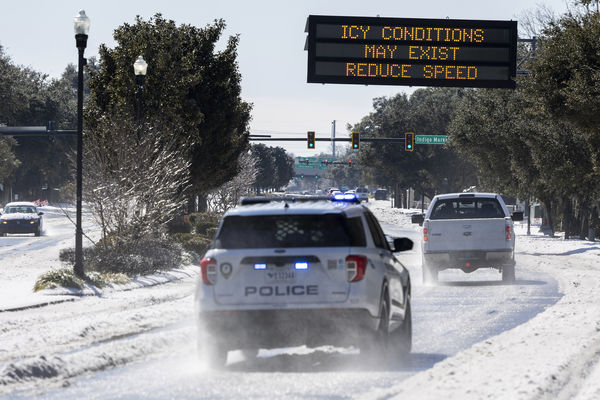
column 133, row 258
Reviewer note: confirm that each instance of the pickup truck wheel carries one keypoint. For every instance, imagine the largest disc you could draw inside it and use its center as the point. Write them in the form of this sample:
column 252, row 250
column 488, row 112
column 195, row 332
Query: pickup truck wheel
column 508, row 273
column 430, row 274
column 402, row 337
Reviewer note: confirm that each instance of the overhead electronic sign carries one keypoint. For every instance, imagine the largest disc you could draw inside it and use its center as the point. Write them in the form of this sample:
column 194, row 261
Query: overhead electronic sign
column 409, row 51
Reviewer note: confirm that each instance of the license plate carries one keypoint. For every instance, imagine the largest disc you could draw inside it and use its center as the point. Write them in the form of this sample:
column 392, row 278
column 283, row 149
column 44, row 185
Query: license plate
column 280, row 276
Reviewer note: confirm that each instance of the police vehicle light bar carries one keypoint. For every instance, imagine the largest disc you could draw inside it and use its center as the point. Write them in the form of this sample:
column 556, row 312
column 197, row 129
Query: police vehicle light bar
column 260, row 266
column 250, row 200
column 344, row 197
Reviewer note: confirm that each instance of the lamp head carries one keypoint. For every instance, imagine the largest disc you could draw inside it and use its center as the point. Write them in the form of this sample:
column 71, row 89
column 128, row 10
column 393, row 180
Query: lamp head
column 140, row 66
column 81, row 23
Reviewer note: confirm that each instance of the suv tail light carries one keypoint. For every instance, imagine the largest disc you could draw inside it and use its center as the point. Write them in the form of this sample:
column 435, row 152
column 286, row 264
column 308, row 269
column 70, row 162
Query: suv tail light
column 508, row 232
column 209, row 271
column 355, row 268
column 425, row 236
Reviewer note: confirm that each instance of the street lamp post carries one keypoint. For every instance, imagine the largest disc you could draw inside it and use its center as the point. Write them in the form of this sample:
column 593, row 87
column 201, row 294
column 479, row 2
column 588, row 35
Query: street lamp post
column 140, row 66
column 82, row 26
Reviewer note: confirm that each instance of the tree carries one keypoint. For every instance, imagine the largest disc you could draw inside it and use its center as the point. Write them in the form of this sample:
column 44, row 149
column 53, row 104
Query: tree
column 28, row 98
column 565, row 81
column 522, row 152
column 228, row 195
column 428, row 169
column 133, row 197
column 8, row 160
column 188, row 84
column 275, row 167
column 349, row 172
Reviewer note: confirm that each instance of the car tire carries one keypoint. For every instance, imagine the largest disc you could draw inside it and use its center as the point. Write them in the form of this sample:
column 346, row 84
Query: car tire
column 2, row 234
column 508, row 273
column 211, row 352
column 376, row 348
column 430, row 273
column 402, row 337
column 37, row 233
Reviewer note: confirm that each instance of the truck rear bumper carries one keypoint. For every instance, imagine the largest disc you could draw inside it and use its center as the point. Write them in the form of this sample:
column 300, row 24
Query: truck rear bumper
column 471, row 259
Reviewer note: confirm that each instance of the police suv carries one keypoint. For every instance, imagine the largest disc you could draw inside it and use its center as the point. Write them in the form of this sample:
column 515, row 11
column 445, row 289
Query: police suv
column 303, row 271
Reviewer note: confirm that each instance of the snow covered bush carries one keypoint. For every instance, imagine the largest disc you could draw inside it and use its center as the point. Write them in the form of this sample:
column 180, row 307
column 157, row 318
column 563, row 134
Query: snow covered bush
column 228, row 195
column 135, row 178
column 132, row 258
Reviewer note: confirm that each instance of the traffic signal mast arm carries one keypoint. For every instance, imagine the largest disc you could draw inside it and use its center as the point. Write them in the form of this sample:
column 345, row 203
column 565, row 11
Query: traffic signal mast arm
column 368, row 140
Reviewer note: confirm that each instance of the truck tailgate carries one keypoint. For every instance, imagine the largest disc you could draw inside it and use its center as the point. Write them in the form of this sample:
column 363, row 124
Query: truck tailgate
column 465, row 234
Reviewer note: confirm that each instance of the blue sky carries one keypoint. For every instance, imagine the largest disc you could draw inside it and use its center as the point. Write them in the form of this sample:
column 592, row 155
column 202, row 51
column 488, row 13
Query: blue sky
column 272, row 61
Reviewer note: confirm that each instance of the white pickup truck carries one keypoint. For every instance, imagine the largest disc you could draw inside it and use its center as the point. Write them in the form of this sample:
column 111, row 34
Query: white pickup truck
column 468, row 231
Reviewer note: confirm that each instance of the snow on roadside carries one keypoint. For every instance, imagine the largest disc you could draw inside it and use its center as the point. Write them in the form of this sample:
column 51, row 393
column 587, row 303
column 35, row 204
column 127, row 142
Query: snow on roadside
column 23, row 259
column 555, row 355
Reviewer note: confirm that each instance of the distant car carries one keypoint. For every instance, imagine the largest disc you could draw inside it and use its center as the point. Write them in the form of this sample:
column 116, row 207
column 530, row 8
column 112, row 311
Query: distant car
column 21, row 217
column 309, row 272
column 362, row 193
column 381, row 194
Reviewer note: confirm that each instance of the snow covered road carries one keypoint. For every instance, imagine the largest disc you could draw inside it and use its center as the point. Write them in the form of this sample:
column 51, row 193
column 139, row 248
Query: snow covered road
column 141, row 343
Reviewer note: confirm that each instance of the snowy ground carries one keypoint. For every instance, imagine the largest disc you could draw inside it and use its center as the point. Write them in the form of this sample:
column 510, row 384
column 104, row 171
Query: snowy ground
column 474, row 337
column 555, row 355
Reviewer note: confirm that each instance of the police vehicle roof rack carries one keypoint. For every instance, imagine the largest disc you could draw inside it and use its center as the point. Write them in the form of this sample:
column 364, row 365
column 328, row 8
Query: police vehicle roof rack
column 245, row 201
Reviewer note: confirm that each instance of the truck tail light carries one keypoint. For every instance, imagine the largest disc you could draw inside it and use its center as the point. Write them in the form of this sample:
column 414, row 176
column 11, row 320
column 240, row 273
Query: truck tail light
column 208, row 267
column 508, row 232
column 425, row 236
column 355, row 268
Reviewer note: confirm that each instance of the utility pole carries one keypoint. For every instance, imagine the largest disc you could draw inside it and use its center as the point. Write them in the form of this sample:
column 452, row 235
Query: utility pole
column 333, row 139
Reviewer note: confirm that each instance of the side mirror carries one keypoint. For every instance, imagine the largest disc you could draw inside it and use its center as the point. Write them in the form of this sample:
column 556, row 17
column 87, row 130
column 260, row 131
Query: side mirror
column 402, row 244
column 517, row 216
column 417, row 219
column 40, row 213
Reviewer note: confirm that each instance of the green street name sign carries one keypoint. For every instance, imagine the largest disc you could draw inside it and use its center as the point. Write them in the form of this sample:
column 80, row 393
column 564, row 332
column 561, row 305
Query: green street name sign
column 431, row 139
column 313, row 162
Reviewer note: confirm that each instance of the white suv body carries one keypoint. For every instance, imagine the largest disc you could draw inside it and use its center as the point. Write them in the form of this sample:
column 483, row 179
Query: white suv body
column 362, row 193
column 284, row 273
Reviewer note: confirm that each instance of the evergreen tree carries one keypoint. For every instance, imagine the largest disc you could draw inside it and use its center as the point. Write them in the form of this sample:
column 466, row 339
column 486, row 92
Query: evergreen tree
column 188, row 84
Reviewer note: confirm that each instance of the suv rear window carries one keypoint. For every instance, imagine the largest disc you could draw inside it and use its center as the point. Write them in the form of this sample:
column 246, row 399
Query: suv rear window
column 276, row 231
column 467, row 208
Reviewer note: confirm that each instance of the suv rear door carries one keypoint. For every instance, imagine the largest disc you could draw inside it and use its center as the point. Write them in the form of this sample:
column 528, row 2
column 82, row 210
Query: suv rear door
column 281, row 260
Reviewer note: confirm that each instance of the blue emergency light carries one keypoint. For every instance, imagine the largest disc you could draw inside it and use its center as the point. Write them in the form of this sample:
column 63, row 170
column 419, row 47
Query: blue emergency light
column 344, row 197
column 302, row 265
column 260, row 266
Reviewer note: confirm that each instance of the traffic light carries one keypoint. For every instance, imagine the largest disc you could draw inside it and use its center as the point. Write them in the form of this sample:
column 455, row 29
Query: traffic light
column 355, row 140
column 409, row 141
column 310, row 139
column 350, row 163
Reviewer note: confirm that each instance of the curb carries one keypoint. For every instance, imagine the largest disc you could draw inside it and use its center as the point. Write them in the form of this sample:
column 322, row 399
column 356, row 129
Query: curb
column 37, row 305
